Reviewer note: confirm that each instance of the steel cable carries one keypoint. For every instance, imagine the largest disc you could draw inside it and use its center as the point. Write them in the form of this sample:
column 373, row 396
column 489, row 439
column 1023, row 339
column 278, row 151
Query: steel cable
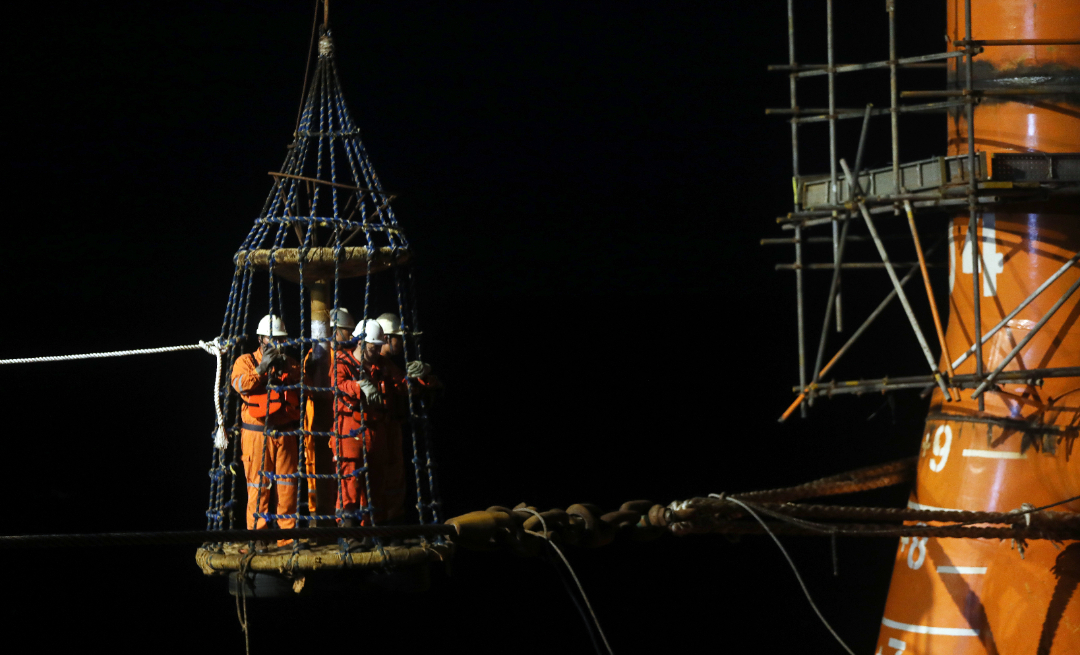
column 215, row 536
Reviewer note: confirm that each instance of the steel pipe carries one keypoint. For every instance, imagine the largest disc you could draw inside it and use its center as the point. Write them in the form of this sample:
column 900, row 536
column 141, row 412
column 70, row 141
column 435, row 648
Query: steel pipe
column 888, row 209
column 1033, row 91
column 929, row 289
column 854, row 337
column 1027, row 301
column 830, row 69
column 1023, row 342
column 968, row 381
column 900, row 291
column 857, row 266
column 931, row 106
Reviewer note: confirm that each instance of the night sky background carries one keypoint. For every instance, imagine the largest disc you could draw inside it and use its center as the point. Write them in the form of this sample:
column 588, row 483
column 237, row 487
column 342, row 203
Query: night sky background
column 585, row 185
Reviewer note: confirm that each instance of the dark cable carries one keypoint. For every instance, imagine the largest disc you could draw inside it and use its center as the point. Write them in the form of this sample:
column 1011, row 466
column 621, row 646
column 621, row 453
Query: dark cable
column 577, row 601
column 216, row 536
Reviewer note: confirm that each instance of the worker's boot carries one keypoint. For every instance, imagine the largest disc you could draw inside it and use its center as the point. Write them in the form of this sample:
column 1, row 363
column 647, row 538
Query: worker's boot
column 397, row 540
column 352, row 543
column 258, row 546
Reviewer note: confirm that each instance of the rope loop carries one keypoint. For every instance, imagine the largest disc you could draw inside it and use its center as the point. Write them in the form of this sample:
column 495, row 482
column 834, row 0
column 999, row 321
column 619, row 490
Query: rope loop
column 217, row 348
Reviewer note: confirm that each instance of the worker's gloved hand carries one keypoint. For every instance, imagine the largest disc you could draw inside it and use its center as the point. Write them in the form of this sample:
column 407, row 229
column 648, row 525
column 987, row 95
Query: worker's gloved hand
column 371, row 392
column 417, row 369
column 265, row 364
column 269, row 362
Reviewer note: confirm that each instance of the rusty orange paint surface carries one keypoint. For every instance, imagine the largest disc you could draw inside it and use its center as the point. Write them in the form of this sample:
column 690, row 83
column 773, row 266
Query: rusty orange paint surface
column 980, row 596
column 1019, row 251
column 1049, row 123
column 1050, row 126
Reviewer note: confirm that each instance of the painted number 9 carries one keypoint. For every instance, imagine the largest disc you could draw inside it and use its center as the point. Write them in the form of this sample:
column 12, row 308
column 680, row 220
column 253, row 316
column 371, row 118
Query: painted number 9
column 941, row 448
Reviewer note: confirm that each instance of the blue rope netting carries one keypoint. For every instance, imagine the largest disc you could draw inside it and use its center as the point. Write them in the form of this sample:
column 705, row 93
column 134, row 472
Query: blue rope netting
column 306, row 212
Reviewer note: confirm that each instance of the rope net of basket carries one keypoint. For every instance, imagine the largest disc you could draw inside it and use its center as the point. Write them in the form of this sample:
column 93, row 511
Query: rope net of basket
column 326, row 236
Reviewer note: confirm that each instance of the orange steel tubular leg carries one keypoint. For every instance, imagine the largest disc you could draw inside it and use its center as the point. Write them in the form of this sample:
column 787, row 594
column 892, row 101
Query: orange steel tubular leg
column 981, row 595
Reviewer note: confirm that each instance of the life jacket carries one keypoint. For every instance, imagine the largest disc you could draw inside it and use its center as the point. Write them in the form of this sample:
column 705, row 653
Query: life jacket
column 348, row 406
column 360, row 410
column 272, row 404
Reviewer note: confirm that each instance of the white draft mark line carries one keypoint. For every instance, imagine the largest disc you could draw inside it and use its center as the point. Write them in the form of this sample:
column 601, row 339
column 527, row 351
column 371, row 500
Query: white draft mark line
column 993, row 454
column 914, row 505
column 928, row 630
column 969, row 570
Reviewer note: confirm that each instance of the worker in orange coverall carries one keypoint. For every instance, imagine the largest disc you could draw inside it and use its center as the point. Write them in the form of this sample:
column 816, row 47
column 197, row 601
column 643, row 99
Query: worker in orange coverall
column 371, row 402
column 316, row 373
column 392, row 335
column 359, row 415
column 390, row 355
column 262, row 410
column 422, row 379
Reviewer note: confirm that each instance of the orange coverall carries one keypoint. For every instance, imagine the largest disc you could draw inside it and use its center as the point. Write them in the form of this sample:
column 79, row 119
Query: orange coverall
column 380, row 426
column 260, row 452
column 314, row 419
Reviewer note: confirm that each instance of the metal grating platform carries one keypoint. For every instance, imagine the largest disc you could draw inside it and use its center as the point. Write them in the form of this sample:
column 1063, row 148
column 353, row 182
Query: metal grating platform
column 942, row 172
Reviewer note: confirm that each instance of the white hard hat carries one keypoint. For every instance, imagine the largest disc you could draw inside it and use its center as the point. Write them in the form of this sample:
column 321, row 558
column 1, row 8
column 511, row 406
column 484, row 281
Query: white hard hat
column 271, row 326
column 373, row 332
column 390, row 323
column 341, row 318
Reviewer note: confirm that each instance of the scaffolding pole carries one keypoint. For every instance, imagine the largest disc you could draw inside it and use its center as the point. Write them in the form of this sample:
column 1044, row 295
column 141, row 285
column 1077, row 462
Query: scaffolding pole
column 1029, row 377
column 834, row 288
column 960, row 194
column 989, row 381
column 900, row 292
column 837, row 247
column 1027, row 301
column 815, row 70
column 853, row 113
column 973, row 187
column 894, row 116
column 854, row 337
column 792, row 84
column 930, row 294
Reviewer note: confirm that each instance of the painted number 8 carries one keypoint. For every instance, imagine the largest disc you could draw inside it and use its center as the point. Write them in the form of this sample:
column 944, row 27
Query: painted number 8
column 941, row 448
column 916, row 550
column 916, row 554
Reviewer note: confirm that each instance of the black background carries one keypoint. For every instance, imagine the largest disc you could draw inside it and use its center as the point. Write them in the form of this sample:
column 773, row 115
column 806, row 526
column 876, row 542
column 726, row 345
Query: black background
column 585, row 185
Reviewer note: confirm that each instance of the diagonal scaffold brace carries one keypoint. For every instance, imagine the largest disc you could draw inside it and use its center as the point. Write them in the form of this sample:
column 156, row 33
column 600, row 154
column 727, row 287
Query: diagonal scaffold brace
column 990, row 379
column 805, row 390
column 899, row 290
column 840, row 241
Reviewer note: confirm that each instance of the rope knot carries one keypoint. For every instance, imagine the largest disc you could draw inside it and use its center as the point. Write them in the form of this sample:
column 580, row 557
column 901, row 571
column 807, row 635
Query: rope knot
column 1026, row 509
column 214, row 347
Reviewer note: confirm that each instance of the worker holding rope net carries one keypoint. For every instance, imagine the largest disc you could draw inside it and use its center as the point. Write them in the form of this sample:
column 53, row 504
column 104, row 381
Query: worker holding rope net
column 358, row 443
column 265, row 411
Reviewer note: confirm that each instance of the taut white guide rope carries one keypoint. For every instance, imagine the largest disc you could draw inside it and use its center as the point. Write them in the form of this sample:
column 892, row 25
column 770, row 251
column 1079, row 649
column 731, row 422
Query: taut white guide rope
column 212, row 347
